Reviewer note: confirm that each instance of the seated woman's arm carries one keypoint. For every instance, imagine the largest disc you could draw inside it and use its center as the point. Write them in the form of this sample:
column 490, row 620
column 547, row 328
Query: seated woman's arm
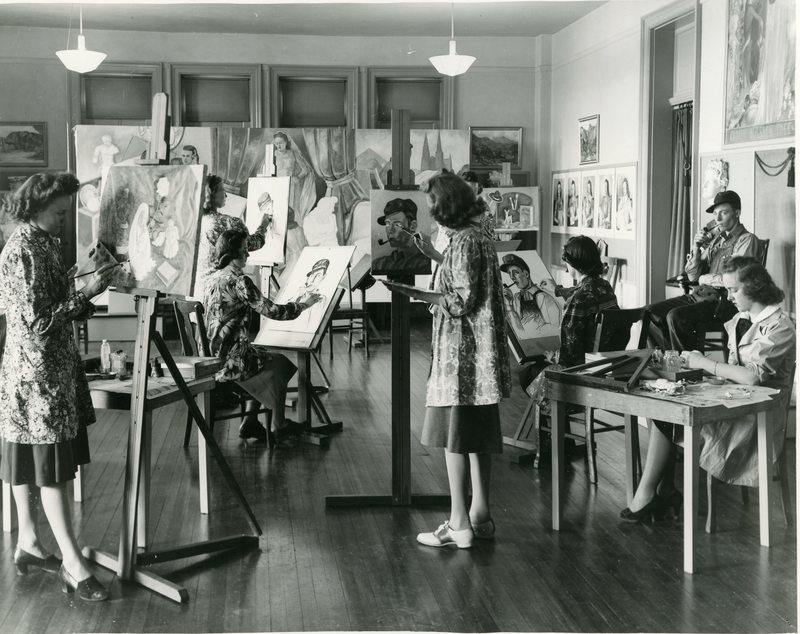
column 27, row 289
column 767, row 354
column 247, row 291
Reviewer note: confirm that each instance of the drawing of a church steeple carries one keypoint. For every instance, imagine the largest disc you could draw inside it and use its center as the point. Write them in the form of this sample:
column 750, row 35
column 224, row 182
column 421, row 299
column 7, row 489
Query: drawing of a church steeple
column 425, row 162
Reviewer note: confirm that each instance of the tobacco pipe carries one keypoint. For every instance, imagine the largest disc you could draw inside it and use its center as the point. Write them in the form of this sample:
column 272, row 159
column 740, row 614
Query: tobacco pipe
column 509, row 285
column 381, row 241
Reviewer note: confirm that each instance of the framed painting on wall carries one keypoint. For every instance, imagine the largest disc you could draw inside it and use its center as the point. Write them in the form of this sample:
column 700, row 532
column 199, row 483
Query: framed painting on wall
column 572, row 185
column 23, row 144
column 625, row 209
column 513, row 208
column 492, row 146
column 558, row 217
column 759, row 74
column 589, row 139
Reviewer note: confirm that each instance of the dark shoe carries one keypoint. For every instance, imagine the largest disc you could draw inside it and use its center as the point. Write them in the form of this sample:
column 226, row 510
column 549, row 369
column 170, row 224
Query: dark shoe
column 252, row 429
column 23, row 559
column 289, row 428
column 90, row 589
column 648, row 513
column 670, row 502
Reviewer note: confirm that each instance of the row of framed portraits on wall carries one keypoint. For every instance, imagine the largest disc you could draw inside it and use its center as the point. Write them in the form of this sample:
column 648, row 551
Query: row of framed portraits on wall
column 597, row 202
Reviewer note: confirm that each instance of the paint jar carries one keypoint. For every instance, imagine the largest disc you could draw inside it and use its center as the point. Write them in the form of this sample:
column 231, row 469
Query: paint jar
column 119, row 362
column 672, row 361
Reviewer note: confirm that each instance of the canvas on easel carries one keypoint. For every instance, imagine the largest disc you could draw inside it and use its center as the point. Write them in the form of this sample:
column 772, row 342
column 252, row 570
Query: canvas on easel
column 268, row 198
column 150, row 222
column 533, row 310
column 317, row 270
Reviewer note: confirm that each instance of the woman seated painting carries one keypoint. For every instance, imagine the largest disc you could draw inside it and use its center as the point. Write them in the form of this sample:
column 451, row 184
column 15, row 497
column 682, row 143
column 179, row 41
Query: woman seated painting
column 761, row 342
column 229, row 297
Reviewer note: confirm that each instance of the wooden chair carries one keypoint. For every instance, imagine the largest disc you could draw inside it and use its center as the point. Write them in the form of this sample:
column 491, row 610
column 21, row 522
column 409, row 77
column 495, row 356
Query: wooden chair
column 719, row 342
column 194, row 341
column 612, row 332
column 780, row 473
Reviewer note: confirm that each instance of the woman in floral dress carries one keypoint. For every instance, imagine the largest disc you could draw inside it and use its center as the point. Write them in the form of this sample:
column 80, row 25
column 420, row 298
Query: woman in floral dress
column 469, row 369
column 44, row 397
column 229, row 297
column 213, row 225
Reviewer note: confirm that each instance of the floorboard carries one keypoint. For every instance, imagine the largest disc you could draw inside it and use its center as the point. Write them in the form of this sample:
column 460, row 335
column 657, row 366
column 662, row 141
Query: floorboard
column 361, row 569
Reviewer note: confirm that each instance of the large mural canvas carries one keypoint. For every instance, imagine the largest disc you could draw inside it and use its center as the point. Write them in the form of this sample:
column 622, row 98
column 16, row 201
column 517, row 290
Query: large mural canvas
column 149, row 220
column 759, row 82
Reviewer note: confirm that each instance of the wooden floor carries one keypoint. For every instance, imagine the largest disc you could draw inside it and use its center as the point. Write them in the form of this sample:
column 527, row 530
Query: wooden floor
column 362, row 569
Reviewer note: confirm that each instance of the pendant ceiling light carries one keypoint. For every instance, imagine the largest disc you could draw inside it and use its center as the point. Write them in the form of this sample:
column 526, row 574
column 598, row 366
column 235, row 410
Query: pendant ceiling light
column 452, row 64
column 80, row 59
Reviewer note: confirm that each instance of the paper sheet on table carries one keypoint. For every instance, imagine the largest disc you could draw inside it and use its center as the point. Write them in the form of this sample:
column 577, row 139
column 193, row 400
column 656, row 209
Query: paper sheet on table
column 708, row 395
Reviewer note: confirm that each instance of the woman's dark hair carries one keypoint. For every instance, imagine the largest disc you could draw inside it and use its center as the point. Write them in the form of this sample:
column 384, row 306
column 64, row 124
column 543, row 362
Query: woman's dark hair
column 582, row 253
column 213, row 185
column 754, row 280
column 37, row 192
column 454, row 202
column 471, row 177
column 228, row 247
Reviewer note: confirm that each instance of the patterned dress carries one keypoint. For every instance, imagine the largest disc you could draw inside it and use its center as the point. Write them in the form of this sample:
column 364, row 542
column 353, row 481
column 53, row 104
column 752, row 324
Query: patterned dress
column 229, row 297
column 44, row 396
column 212, row 226
column 469, row 347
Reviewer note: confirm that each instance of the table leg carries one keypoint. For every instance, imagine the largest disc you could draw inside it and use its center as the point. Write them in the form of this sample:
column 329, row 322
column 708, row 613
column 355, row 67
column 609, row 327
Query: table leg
column 691, row 454
column 764, row 474
column 557, row 425
column 7, row 507
column 204, row 403
column 144, row 483
column 77, row 485
column 631, row 446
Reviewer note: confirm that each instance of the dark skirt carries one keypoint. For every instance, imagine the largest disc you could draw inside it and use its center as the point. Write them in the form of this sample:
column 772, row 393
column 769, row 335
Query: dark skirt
column 43, row 465
column 463, row 428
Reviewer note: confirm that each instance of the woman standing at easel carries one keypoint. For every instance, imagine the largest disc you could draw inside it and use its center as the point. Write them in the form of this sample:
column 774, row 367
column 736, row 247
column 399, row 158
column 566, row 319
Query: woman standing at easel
column 44, row 397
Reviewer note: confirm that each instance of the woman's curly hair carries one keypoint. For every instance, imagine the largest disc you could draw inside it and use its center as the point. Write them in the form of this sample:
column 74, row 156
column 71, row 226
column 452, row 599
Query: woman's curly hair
column 37, row 192
column 755, row 280
column 454, row 202
column 228, row 247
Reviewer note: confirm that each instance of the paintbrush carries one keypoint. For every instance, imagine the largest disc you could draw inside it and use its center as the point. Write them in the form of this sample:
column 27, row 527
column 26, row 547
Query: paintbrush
column 94, row 271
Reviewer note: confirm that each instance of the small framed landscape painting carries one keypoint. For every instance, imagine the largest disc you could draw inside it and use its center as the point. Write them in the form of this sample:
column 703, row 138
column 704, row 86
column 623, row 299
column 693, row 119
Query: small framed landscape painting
column 492, row 146
column 23, row 144
column 589, row 130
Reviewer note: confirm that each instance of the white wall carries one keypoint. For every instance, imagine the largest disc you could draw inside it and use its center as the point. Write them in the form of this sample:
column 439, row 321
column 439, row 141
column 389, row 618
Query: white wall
column 498, row 90
column 596, row 69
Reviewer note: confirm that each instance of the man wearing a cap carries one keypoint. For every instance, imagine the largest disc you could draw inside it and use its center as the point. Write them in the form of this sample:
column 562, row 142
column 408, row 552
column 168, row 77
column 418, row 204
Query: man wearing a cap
column 400, row 219
column 313, row 279
column 675, row 321
column 529, row 303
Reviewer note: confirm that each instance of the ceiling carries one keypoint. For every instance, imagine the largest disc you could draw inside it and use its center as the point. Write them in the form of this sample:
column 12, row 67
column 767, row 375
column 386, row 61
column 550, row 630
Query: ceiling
column 408, row 18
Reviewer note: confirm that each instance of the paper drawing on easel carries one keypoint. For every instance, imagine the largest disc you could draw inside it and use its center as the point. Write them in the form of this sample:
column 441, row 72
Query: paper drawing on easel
column 513, row 208
column 150, row 221
column 317, row 270
column 268, row 205
column 533, row 312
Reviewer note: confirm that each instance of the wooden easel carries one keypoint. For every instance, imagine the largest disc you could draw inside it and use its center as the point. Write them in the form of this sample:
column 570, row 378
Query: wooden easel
column 129, row 562
column 401, row 357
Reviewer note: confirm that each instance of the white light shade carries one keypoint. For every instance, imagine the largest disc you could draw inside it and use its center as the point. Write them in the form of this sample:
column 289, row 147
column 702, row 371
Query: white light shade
column 452, row 64
column 79, row 59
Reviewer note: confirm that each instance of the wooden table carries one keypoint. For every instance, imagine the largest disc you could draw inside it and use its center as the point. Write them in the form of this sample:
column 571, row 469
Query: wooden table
column 114, row 394
column 691, row 413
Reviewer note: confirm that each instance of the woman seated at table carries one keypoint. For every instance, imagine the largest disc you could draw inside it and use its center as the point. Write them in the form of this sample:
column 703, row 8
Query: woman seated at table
column 229, row 297
column 590, row 295
column 761, row 341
